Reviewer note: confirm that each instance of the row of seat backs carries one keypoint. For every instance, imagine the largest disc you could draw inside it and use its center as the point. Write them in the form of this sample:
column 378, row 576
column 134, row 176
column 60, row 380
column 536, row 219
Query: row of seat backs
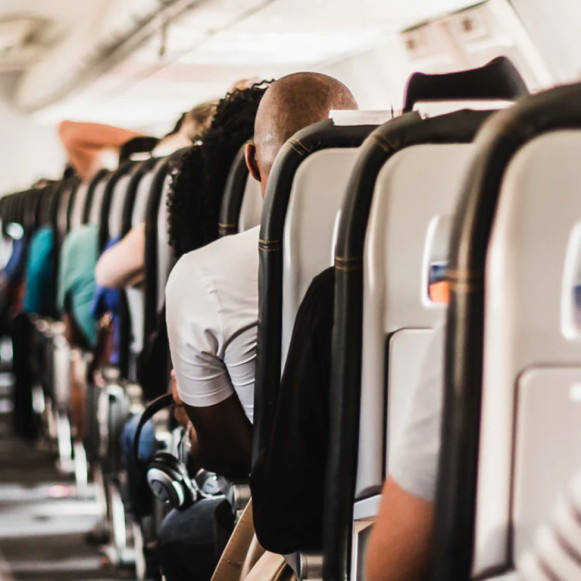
column 512, row 352
column 21, row 208
column 151, row 185
column 297, row 239
column 395, row 225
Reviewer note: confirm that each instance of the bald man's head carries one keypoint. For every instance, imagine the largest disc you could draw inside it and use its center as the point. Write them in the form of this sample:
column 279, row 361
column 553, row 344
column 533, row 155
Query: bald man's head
column 289, row 105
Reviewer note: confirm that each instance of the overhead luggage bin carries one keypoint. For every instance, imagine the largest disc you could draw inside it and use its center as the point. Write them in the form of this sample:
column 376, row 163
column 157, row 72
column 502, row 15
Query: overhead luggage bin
column 512, row 360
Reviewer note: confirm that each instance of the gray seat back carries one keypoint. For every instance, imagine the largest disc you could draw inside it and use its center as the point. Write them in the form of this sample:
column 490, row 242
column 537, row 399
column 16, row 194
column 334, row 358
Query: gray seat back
column 531, row 412
column 97, row 201
column 165, row 254
column 251, row 210
column 115, row 219
column 316, row 196
column 409, row 225
column 79, row 205
column 135, row 297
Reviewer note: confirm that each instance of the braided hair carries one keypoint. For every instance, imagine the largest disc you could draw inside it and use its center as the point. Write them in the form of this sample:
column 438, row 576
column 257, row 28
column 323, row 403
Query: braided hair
column 199, row 177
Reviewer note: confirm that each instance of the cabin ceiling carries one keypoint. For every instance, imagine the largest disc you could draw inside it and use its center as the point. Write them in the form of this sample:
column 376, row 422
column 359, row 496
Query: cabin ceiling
column 197, row 56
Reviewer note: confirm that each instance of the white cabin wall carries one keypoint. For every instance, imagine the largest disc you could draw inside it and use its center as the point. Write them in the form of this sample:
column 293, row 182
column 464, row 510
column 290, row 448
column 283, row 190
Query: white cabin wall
column 28, row 150
column 376, row 77
column 555, row 28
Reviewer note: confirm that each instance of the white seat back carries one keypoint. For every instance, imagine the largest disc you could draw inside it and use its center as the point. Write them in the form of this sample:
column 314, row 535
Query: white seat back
column 414, row 199
column 97, row 201
column 79, row 205
column 315, row 200
column 63, row 209
column 251, row 210
column 532, row 348
column 165, row 255
column 140, row 204
column 135, row 297
column 117, row 204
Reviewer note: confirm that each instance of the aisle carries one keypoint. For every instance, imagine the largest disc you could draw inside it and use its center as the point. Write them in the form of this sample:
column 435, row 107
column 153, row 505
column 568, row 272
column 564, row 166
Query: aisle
column 42, row 524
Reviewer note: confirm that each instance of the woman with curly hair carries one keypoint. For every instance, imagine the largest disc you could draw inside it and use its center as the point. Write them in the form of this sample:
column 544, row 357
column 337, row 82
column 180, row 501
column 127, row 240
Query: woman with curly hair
column 199, row 178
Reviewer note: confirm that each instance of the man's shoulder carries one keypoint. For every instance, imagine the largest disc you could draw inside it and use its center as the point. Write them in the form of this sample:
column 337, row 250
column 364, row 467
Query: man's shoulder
column 217, row 259
column 223, row 251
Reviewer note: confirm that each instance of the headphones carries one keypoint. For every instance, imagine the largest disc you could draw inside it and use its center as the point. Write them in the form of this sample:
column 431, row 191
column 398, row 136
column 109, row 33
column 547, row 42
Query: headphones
column 167, row 477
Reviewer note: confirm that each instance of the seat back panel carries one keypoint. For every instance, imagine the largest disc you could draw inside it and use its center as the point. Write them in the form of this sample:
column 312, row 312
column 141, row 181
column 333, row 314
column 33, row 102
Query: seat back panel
column 79, row 205
column 316, row 197
column 406, row 352
column 141, row 198
column 97, row 202
column 251, row 209
column 165, row 255
column 416, row 190
column 116, row 208
column 527, row 289
column 546, row 454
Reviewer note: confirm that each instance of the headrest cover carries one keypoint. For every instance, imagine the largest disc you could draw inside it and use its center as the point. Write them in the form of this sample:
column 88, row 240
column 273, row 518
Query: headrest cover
column 355, row 117
column 498, row 80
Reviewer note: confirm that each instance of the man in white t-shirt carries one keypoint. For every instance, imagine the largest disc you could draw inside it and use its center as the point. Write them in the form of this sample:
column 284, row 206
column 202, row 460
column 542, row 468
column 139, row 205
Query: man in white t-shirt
column 212, row 293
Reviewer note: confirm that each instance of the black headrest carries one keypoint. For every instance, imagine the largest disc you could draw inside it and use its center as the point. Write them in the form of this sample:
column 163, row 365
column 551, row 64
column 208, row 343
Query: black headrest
column 497, row 80
column 139, row 144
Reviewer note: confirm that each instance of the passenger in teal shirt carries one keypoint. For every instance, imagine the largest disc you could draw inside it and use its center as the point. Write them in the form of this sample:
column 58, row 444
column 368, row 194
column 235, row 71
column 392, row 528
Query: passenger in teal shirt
column 76, row 288
column 38, row 297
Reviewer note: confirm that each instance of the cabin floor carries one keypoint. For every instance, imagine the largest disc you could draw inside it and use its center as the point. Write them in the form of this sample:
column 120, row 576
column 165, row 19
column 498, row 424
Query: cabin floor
column 42, row 522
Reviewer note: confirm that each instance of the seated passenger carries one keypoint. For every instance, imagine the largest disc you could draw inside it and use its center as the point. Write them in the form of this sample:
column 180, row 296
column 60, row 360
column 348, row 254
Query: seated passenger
column 123, row 264
column 38, row 299
column 401, row 541
column 212, row 293
column 38, row 296
column 75, row 294
column 76, row 284
column 212, row 298
column 186, row 551
column 199, row 179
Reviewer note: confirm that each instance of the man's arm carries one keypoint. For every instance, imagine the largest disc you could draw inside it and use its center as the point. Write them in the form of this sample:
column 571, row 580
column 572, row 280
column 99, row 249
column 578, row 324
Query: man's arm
column 84, row 142
column 400, row 544
column 123, row 264
column 223, row 441
column 221, row 438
